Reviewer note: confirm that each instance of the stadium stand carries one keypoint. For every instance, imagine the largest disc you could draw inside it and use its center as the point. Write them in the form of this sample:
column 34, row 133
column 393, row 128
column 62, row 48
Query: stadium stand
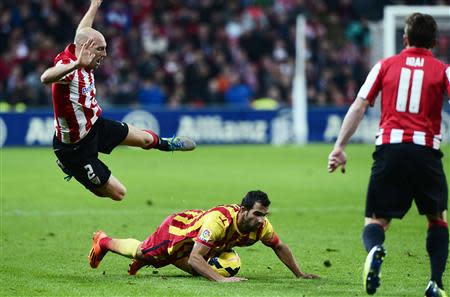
column 193, row 53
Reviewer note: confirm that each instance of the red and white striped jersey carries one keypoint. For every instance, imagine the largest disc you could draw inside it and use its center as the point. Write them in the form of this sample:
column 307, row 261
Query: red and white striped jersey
column 74, row 103
column 412, row 86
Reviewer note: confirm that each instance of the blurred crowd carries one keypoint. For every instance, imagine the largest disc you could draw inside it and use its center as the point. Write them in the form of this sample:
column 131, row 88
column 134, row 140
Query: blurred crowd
column 192, row 53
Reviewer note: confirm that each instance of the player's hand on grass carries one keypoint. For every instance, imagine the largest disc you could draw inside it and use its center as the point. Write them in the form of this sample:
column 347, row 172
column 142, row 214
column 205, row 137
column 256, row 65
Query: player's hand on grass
column 309, row 276
column 233, row 279
column 337, row 158
column 86, row 56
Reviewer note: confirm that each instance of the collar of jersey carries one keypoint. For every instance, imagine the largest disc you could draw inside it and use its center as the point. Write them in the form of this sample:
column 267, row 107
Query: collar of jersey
column 235, row 224
column 418, row 50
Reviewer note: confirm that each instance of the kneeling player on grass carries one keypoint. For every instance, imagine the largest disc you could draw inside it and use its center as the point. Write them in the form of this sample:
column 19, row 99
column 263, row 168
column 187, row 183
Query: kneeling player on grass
column 187, row 239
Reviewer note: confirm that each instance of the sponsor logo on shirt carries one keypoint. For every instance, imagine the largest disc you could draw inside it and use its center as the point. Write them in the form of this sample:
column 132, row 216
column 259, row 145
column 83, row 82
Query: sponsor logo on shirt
column 206, row 234
column 87, row 89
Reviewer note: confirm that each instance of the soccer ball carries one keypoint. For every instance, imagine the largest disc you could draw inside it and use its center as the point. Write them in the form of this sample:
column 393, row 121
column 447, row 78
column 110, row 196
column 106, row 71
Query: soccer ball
column 227, row 264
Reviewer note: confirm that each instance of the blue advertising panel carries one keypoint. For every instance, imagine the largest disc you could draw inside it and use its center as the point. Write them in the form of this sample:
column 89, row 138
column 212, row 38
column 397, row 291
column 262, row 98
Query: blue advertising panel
column 205, row 126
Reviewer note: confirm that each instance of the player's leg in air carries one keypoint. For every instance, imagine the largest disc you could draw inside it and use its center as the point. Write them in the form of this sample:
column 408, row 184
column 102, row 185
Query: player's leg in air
column 145, row 139
column 148, row 139
column 373, row 239
column 437, row 248
column 113, row 189
column 80, row 160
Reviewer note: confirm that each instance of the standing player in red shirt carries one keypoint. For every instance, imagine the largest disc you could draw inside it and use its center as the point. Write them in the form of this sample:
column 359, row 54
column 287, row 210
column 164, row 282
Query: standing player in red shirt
column 407, row 160
column 81, row 132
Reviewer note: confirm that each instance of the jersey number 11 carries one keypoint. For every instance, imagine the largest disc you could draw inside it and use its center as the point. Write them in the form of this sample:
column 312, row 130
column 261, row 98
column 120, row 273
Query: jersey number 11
column 403, row 88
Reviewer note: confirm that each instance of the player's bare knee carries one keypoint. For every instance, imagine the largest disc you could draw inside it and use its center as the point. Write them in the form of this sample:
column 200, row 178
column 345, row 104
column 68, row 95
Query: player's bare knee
column 115, row 191
column 437, row 216
column 385, row 223
column 116, row 197
column 147, row 140
column 139, row 255
column 119, row 193
column 122, row 191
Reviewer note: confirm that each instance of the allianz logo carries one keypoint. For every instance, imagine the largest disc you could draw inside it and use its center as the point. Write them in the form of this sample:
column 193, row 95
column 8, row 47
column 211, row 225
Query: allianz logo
column 40, row 131
column 214, row 129
column 3, row 132
column 369, row 127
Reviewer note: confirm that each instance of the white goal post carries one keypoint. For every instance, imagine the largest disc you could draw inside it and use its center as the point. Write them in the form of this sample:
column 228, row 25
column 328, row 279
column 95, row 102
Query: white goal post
column 386, row 41
column 394, row 18
column 299, row 98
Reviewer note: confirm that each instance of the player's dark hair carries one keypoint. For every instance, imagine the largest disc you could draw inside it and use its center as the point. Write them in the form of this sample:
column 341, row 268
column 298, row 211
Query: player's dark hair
column 421, row 30
column 255, row 196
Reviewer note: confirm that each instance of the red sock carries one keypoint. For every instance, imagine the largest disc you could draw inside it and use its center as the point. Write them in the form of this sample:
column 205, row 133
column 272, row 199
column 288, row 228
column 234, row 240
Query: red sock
column 155, row 140
column 439, row 222
column 104, row 243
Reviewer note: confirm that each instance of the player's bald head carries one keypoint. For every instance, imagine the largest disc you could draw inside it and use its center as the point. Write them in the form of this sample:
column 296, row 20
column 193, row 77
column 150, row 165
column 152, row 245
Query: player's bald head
column 84, row 34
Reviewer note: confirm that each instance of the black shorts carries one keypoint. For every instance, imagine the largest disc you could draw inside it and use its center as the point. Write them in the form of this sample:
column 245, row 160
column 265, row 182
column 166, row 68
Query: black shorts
column 402, row 173
column 80, row 159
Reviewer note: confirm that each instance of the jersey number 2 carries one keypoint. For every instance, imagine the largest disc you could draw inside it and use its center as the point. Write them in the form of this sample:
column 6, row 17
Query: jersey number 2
column 90, row 171
column 416, row 90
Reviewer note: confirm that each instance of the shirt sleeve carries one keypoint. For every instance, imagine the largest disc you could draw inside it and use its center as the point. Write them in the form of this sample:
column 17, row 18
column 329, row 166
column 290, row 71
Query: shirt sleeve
column 447, row 81
column 372, row 86
column 69, row 76
column 213, row 229
column 268, row 235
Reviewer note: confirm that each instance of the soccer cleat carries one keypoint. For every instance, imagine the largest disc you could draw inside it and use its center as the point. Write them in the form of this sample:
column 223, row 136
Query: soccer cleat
column 180, row 143
column 433, row 290
column 372, row 268
column 135, row 266
column 96, row 254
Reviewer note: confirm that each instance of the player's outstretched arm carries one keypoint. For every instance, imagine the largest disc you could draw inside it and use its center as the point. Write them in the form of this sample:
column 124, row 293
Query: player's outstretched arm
column 198, row 263
column 88, row 18
column 285, row 255
column 351, row 122
column 56, row 73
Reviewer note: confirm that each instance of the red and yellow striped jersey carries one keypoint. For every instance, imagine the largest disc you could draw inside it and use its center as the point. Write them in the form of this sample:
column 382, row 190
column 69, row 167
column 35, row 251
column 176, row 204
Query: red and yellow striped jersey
column 215, row 228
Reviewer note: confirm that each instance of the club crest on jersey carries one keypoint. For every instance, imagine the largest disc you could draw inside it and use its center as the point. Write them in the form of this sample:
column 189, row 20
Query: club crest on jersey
column 414, row 61
column 87, row 89
column 206, row 234
column 95, row 180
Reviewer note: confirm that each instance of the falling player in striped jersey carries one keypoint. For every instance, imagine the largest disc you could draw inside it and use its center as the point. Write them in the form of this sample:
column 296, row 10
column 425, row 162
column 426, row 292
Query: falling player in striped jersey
column 80, row 130
column 407, row 160
column 187, row 239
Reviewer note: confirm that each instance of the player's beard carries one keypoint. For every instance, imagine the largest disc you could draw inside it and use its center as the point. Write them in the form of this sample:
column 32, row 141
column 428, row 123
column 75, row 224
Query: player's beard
column 250, row 226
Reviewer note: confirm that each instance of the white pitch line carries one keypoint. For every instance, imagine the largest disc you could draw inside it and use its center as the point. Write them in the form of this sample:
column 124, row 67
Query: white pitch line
column 163, row 211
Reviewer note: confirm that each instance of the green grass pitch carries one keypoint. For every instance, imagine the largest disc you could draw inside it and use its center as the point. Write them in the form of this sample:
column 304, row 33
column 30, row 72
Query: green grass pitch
column 47, row 223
